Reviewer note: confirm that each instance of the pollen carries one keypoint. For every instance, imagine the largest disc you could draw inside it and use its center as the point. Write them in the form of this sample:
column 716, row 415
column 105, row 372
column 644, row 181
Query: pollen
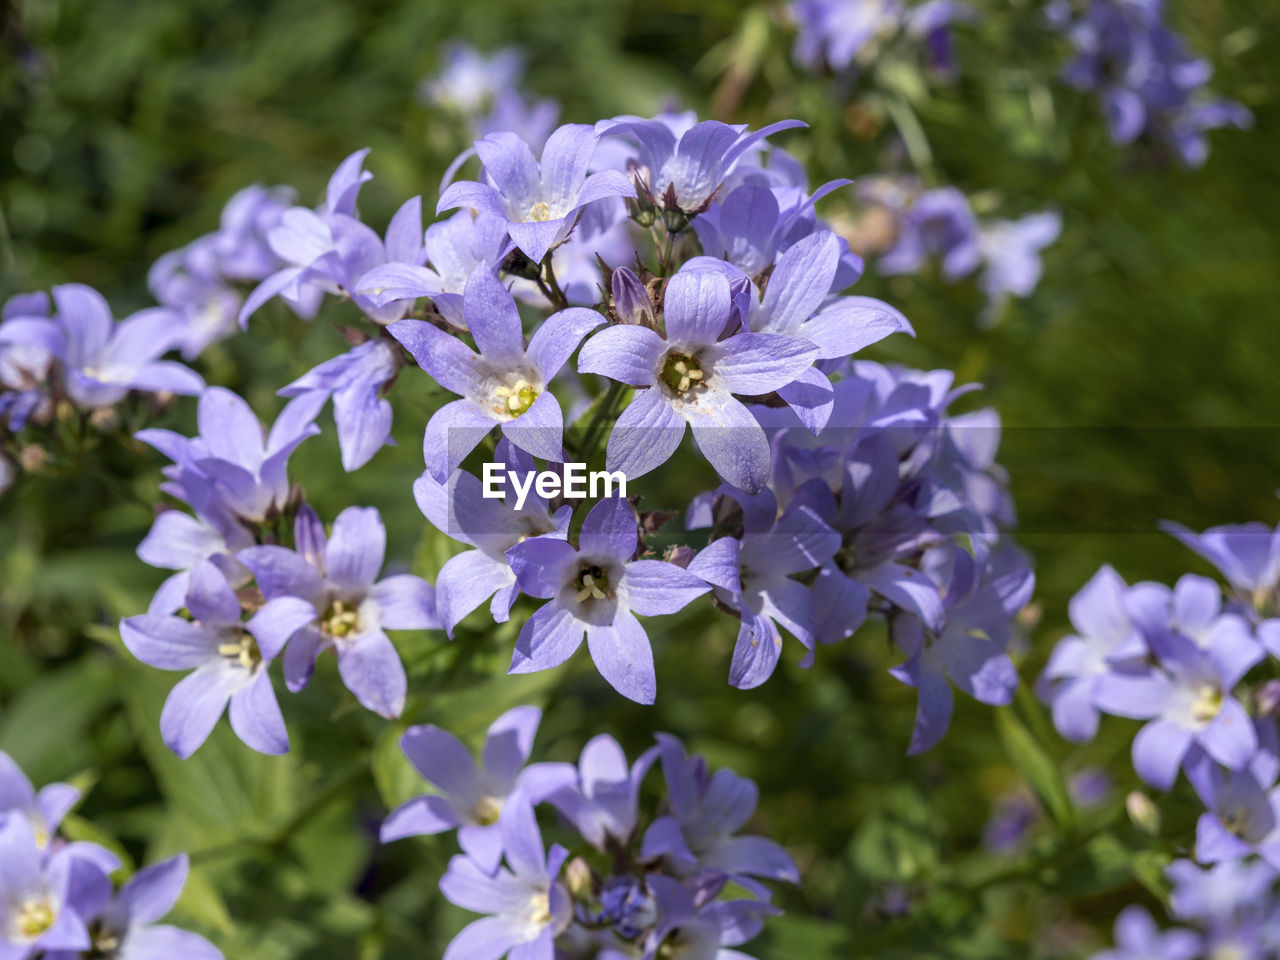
column 592, row 584
column 242, row 650
column 540, row 212
column 516, row 398
column 34, row 918
column 539, row 910
column 682, row 373
column 1207, row 703
column 487, row 811
column 340, row 620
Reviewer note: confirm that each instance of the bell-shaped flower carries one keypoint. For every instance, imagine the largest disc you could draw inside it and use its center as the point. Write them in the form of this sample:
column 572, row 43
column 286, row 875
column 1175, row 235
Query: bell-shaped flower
column 601, row 801
column 36, row 917
column 472, row 798
column 43, row 810
column 505, row 384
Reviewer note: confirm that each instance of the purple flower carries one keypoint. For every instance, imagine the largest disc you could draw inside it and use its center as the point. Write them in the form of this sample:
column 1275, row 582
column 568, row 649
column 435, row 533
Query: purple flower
column 752, row 575
column 244, row 253
column 700, row 834
column 686, row 172
column 602, row 798
column 189, row 282
column 504, row 385
column 596, row 589
column 1216, row 895
column 126, row 927
column 685, row 932
column 971, row 650
column 940, row 224
column 472, row 800
column 1138, row 938
column 1011, row 254
column 332, row 601
column 460, row 510
column 1242, row 811
column 1248, row 555
column 1106, row 638
column 527, row 907
column 1187, row 698
column 35, row 915
column 835, row 31
column 231, row 467
column 539, row 200
column 357, row 381
column 470, row 81
column 30, row 343
column 103, row 361
column 691, row 377
column 178, row 541
column 229, row 660
column 43, row 810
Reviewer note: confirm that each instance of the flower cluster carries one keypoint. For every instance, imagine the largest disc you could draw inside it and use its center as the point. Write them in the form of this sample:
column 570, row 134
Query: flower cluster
column 57, row 900
column 688, row 885
column 848, row 34
column 1151, row 86
column 1230, row 910
column 915, row 227
column 1177, row 658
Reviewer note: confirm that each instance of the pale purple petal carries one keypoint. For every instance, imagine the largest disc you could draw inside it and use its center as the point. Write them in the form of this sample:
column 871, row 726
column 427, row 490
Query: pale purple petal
column 623, row 352
column 624, row 657
column 371, row 669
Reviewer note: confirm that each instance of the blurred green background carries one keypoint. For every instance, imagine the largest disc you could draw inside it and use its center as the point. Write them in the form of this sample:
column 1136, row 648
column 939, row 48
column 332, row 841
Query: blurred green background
column 1139, row 383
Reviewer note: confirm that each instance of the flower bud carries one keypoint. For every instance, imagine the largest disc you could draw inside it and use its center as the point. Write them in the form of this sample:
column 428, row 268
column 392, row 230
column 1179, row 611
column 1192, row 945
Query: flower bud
column 104, row 419
column 580, row 878
column 1267, row 699
column 1143, row 812
column 640, row 210
column 33, row 458
column 630, row 299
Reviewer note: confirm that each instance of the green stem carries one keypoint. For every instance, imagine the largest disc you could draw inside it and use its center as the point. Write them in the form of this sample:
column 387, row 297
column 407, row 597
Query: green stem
column 913, row 135
column 605, row 410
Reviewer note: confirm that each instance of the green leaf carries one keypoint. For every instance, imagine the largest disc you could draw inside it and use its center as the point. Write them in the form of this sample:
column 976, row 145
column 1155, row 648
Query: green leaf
column 1035, row 766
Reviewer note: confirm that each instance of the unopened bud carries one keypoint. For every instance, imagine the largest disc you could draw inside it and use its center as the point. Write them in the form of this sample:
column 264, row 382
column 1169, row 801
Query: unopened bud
column 580, row 879
column 674, row 219
column 630, row 299
column 1143, row 812
column 1267, row 699
column 33, row 459
column 640, row 210
column 104, row 419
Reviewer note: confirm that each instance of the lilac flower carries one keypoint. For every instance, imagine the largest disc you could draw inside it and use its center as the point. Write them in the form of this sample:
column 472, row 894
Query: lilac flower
column 1010, row 252
column 231, row 467
column 244, row 252
column 229, row 659
column 1015, row 815
column 328, row 589
column 539, row 199
column 1242, row 811
column 35, row 916
column 504, row 385
column 329, row 250
column 125, row 926
column 699, row 836
column 473, row 800
column 1106, row 638
column 601, row 801
column 686, row 172
column 456, row 247
column 691, row 377
column 357, row 381
column 939, row 223
column 43, row 810
column 1216, row 896
column 931, row 22
column 1193, row 609
column 685, row 932
column 596, row 589
column 189, row 282
column 527, row 906
column 1137, row 938
column 103, row 361
column 30, row 344
column 1248, row 555
column 460, row 510
column 971, row 650
column 752, row 576
column 178, row 541
column 835, row 31
column 1187, row 698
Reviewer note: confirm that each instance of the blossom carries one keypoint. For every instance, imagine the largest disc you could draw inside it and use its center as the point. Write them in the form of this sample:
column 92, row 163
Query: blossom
column 685, row 932
column 1247, row 554
column 700, row 834
column 1137, row 938
column 525, row 902
column 504, row 385
column 231, row 466
column 1187, row 698
column 229, row 660
column 125, row 926
column 596, row 589
column 333, row 602
column 752, row 575
column 691, row 377
column 1010, row 251
column 103, row 361
column 1242, row 811
column 491, row 526
column 1106, row 637
column 835, row 31
column 189, row 281
column 473, row 799
column 685, row 173
column 469, row 80
column 939, row 223
column 357, row 381
column 601, row 801
column 539, row 199
column 30, row 344
column 43, row 810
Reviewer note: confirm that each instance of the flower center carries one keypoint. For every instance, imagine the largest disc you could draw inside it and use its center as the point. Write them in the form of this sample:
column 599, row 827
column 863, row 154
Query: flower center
column 487, row 811
column 592, row 584
column 104, row 941
column 1206, row 704
column 540, row 212
column 1236, row 822
column 340, row 619
column 34, row 918
column 539, row 914
column 515, row 399
column 682, row 372
column 241, row 649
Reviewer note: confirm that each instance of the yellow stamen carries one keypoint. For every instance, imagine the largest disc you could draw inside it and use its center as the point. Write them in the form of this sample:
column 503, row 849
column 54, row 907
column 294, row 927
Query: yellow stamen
column 540, row 212
column 34, row 918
